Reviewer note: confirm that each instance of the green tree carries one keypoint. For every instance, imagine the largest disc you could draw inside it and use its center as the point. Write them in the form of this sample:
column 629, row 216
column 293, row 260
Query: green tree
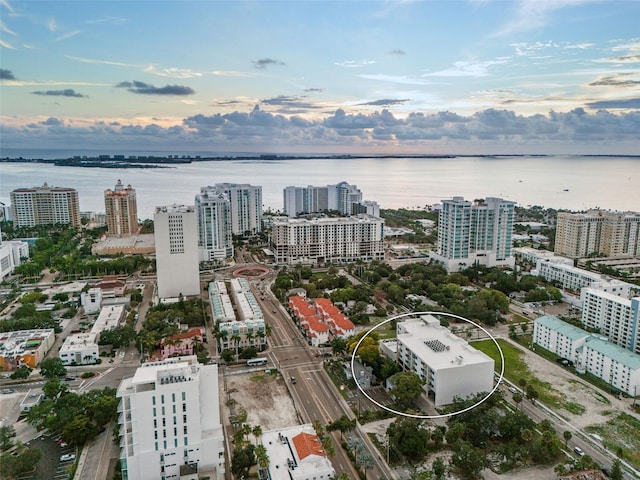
column 408, row 437
column 52, row 367
column 7, row 432
column 21, row 373
column 407, row 388
column 54, row 387
column 439, row 469
column 567, row 436
column 79, row 430
column 517, row 398
column 242, row 460
column 468, row 460
column 616, row 470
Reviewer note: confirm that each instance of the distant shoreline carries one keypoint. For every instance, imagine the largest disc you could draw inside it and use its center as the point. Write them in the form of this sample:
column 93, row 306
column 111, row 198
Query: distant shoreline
column 155, row 161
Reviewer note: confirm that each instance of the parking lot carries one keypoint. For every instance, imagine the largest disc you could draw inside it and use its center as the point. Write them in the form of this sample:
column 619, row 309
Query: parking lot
column 50, row 466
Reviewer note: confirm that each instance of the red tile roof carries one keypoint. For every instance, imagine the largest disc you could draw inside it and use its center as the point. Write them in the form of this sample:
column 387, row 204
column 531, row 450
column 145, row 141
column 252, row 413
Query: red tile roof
column 307, row 444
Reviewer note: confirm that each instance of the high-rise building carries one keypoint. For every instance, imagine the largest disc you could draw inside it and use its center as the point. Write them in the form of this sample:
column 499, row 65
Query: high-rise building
column 341, row 197
column 215, row 240
column 45, row 205
column 121, row 210
column 322, row 240
column 177, row 263
column 614, row 234
column 12, row 254
column 170, row 421
column 478, row 232
column 245, row 205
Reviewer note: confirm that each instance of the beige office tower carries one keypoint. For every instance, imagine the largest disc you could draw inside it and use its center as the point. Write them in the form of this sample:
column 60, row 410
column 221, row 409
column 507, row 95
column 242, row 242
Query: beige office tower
column 122, row 210
column 613, row 234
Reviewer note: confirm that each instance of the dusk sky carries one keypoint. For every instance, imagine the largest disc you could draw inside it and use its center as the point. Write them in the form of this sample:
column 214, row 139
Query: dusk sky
column 482, row 76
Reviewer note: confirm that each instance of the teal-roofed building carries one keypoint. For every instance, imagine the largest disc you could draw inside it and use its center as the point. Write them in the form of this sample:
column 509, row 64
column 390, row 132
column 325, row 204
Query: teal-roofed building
column 590, row 353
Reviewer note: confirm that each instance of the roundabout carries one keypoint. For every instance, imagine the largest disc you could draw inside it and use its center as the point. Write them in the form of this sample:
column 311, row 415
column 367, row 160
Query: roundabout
column 251, row 272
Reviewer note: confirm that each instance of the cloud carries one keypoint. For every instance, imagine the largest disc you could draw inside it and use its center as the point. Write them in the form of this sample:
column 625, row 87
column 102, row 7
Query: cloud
column 173, row 72
column 355, row 63
column 265, row 62
column 532, row 15
column 622, row 59
column 385, row 102
column 147, row 89
column 101, row 62
column 401, row 79
column 231, row 73
column 314, row 90
column 6, row 5
column 487, row 131
column 6, row 29
column 467, row 69
column 526, row 49
column 397, row 51
column 616, row 80
column 68, row 35
column 627, row 103
column 6, row 45
column 6, row 74
column 52, row 25
column 67, row 92
column 108, row 20
column 289, row 102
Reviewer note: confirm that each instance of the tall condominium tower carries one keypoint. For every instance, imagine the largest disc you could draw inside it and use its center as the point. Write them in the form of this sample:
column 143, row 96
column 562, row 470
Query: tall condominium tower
column 477, row 232
column 341, row 197
column 245, row 205
column 170, row 421
column 45, row 205
column 176, row 238
column 614, row 234
column 214, row 225
column 121, row 210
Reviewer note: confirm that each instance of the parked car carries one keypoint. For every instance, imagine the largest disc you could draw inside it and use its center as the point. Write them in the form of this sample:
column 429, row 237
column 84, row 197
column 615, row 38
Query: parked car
column 293, row 380
column 8, row 390
column 579, row 451
column 67, row 457
column 513, row 390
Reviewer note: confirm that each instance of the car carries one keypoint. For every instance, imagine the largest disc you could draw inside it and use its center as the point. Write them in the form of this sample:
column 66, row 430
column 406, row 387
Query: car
column 67, row 457
column 69, row 379
column 8, row 390
column 64, row 444
column 579, row 451
column 513, row 390
column 293, row 380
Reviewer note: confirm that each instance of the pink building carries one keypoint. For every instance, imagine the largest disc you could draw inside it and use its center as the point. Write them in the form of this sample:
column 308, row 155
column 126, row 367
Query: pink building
column 180, row 344
column 316, row 330
column 339, row 325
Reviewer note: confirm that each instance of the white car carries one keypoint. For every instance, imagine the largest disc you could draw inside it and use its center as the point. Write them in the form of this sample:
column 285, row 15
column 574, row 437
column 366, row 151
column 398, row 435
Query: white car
column 68, row 457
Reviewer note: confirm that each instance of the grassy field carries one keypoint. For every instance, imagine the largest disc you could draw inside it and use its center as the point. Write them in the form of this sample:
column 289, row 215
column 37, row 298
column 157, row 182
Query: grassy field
column 623, row 432
column 516, row 369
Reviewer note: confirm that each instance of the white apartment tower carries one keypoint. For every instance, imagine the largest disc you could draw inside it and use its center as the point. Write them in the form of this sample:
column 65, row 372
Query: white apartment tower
column 121, row 209
column 614, row 234
column 45, row 205
column 176, row 238
column 341, row 197
column 617, row 317
column 215, row 240
column 478, row 232
column 170, row 422
column 245, row 205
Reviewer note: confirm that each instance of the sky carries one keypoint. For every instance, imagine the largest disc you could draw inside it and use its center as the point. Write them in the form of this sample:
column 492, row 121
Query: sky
column 320, row 77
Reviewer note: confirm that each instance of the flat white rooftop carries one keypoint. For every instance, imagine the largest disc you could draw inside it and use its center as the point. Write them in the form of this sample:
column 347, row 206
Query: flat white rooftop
column 435, row 345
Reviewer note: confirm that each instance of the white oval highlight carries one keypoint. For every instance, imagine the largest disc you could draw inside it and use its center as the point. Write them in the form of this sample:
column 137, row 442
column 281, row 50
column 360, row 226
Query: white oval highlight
column 444, row 415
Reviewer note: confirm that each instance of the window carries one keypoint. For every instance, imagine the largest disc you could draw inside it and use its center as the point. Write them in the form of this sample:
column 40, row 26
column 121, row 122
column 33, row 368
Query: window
column 173, row 397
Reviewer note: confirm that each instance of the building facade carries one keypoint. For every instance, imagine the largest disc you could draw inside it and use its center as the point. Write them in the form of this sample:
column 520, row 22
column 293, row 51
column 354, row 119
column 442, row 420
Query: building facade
column 478, row 232
column 245, row 205
column 170, row 421
column 25, row 347
column 613, row 234
column 590, row 353
column 121, row 209
column 12, row 253
column 615, row 316
column 215, row 239
column 177, row 265
column 449, row 367
column 327, row 240
column 45, row 205
column 341, row 197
